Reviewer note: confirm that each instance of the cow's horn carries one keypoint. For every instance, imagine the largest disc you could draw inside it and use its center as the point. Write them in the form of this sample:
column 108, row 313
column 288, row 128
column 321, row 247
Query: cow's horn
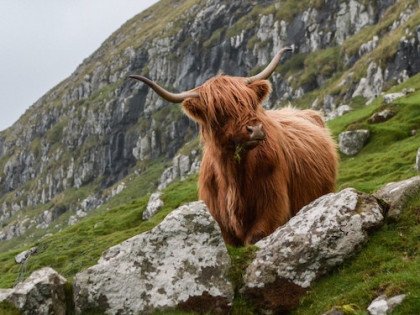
column 265, row 74
column 169, row 96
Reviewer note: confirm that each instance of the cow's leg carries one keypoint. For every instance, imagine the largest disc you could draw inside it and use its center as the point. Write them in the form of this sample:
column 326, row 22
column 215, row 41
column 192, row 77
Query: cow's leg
column 269, row 221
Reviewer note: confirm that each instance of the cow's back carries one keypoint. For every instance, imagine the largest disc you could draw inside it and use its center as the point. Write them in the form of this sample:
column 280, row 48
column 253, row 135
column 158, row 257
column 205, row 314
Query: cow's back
column 310, row 152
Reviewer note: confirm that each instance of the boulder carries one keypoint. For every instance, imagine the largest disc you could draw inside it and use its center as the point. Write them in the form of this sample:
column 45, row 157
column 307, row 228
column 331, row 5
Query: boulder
column 181, row 263
column 418, row 160
column 321, row 236
column 390, row 97
column 351, row 142
column 338, row 112
column 383, row 305
column 370, row 86
column 397, row 194
column 23, row 256
column 43, row 292
column 381, row 116
column 153, row 206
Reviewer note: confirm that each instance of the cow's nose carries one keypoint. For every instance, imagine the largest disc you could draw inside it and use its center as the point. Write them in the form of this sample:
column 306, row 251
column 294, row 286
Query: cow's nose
column 256, row 132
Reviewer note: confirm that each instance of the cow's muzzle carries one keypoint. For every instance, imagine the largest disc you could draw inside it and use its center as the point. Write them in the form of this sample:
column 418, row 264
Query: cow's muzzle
column 256, row 134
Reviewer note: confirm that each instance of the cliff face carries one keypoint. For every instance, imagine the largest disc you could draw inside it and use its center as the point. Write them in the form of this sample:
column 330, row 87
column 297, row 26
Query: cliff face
column 97, row 127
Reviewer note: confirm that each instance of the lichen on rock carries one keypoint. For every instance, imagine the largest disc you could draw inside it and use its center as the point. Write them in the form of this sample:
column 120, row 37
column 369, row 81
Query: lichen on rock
column 181, row 263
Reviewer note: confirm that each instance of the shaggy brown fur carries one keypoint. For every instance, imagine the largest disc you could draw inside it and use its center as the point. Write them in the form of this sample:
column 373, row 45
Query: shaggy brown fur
column 251, row 191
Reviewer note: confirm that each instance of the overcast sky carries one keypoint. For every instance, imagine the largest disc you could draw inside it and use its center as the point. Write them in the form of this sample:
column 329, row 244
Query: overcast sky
column 43, row 41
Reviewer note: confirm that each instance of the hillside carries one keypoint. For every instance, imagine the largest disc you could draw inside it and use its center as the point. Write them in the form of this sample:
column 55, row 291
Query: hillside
column 93, row 148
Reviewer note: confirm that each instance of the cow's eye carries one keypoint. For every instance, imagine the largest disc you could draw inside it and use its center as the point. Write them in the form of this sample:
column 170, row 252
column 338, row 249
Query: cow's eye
column 222, row 121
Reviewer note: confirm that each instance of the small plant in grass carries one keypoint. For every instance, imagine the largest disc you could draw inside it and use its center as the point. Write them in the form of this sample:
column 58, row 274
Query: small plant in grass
column 240, row 257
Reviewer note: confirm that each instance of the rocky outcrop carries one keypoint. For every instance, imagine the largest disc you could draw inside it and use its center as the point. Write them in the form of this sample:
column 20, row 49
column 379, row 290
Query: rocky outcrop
column 96, row 126
column 381, row 116
column 351, row 142
column 182, row 263
column 23, row 256
column 397, row 194
column 43, row 293
column 153, row 206
column 182, row 166
column 370, row 86
column 391, row 97
column 321, row 236
column 338, row 112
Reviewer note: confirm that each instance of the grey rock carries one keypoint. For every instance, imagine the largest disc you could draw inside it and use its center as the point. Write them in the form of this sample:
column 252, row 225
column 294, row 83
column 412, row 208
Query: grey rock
column 23, row 256
column 118, row 189
column 352, row 16
column 370, row 86
column 153, row 206
column 418, row 160
column 73, row 219
column 397, row 194
column 407, row 91
column 181, row 263
column 369, row 46
column 381, row 116
column 383, row 305
column 182, row 166
column 351, row 142
column 339, row 111
column 5, row 294
column 321, row 236
column 41, row 293
column 390, row 97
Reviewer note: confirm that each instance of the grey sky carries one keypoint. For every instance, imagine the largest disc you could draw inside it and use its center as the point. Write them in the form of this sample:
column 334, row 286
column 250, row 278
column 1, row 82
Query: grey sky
column 43, row 41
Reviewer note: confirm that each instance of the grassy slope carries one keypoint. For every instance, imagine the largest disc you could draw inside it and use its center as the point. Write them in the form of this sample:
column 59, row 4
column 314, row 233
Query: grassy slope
column 388, row 263
column 391, row 150
column 79, row 246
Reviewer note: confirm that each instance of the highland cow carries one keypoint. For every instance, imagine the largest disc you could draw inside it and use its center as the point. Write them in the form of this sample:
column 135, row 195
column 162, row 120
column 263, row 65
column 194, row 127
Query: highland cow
column 259, row 167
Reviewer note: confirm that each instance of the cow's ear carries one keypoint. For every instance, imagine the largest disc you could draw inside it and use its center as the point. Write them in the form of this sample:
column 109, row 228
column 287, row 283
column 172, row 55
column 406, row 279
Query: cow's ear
column 262, row 88
column 194, row 109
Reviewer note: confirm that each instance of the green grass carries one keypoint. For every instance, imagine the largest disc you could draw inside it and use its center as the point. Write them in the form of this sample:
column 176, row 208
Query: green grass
column 240, row 259
column 387, row 264
column 7, row 308
column 391, row 151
